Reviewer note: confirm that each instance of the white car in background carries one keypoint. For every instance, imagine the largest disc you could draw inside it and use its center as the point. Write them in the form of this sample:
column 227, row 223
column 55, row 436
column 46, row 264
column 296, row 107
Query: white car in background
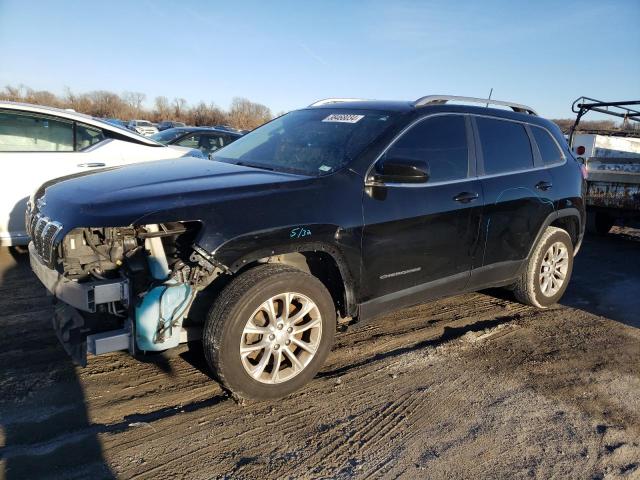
column 40, row 143
column 143, row 127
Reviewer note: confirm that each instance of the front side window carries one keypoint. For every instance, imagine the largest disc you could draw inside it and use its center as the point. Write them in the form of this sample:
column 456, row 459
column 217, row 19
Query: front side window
column 207, row 143
column 442, row 142
column 190, row 141
column 505, row 146
column 24, row 132
column 549, row 150
column 310, row 142
column 87, row 136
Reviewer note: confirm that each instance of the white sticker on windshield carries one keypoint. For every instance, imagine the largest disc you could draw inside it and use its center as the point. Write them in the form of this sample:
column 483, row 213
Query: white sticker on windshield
column 324, row 168
column 343, row 118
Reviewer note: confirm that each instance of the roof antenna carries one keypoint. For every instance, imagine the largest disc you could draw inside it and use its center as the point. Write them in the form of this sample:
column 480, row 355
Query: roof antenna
column 490, row 93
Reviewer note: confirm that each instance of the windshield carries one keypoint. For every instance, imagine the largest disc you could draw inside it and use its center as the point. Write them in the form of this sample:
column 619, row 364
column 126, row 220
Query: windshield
column 166, row 136
column 143, row 123
column 309, row 142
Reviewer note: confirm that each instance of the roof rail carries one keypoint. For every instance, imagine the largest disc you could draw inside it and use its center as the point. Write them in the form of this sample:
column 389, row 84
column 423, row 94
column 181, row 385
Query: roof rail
column 327, row 101
column 441, row 99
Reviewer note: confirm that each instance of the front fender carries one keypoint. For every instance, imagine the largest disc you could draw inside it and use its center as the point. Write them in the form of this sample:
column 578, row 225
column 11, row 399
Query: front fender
column 340, row 244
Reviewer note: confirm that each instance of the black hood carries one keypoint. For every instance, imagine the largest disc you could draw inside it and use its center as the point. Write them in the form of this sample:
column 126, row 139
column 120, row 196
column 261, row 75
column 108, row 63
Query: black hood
column 121, row 196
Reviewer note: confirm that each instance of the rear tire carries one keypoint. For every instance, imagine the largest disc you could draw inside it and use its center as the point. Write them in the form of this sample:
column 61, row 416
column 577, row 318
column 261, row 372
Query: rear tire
column 269, row 332
column 548, row 270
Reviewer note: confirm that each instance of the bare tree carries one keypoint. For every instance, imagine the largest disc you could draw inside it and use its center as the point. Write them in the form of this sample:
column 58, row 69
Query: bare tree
column 163, row 109
column 134, row 100
column 245, row 114
column 102, row 103
column 208, row 115
column 179, row 105
column 13, row 94
column 565, row 125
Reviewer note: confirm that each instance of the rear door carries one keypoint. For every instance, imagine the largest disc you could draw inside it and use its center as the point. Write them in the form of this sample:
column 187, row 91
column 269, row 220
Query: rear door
column 517, row 197
column 419, row 239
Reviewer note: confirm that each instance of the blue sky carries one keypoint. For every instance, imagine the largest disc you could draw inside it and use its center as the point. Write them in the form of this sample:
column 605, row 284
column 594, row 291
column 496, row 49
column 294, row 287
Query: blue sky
column 288, row 54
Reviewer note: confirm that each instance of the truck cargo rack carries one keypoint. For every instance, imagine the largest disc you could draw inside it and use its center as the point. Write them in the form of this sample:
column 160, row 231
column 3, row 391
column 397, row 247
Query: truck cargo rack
column 583, row 105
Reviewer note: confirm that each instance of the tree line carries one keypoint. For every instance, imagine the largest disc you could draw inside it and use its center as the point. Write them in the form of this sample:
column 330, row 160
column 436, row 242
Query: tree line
column 565, row 125
column 242, row 113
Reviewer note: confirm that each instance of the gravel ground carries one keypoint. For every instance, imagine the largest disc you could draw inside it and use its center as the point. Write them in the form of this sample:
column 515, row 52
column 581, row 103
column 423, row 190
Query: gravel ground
column 474, row 386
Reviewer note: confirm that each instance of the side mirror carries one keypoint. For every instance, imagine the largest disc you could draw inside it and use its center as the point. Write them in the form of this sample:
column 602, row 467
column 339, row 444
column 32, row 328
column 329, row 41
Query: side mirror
column 396, row 169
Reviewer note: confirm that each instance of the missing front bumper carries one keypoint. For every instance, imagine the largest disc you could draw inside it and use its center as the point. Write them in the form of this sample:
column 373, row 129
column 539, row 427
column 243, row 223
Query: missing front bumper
column 71, row 331
column 74, row 331
column 83, row 296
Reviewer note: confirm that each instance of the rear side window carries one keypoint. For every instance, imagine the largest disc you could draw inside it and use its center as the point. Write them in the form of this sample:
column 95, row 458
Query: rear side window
column 549, row 150
column 442, row 142
column 22, row 132
column 505, row 146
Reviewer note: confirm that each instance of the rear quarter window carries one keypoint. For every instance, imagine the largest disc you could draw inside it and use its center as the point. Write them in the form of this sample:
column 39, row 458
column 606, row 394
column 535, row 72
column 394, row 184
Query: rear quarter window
column 87, row 136
column 505, row 146
column 547, row 146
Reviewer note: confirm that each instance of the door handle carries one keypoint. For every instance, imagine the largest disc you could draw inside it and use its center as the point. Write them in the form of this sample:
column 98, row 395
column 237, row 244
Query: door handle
column 92, row 164
column 543, row 185
column 466, row 197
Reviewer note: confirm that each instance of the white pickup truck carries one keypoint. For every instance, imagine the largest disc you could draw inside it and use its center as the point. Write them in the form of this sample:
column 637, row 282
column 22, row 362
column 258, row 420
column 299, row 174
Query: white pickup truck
column 612, row 161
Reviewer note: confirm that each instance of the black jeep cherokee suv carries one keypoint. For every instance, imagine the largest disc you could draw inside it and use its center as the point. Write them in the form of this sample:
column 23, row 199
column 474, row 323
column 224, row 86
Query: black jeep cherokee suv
column 328, row 215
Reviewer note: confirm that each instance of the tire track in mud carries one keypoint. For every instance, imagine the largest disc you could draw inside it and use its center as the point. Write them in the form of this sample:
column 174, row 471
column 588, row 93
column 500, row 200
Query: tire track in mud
column 335, row 450
column 450, row 333
column 292, row 422
column 473, row 384
column 368, row 388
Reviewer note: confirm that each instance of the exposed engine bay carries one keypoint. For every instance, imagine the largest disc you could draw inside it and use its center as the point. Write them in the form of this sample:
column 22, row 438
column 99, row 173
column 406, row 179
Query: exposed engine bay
column 157, row 264
column 102, row 253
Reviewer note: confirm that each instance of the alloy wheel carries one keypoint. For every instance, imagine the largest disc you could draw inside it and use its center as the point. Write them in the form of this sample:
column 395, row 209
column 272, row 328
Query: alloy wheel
column 281, row 338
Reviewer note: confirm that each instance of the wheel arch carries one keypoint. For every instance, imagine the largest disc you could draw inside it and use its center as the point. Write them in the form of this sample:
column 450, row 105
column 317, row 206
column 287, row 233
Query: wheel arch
column 569, row 220
column 322, row 259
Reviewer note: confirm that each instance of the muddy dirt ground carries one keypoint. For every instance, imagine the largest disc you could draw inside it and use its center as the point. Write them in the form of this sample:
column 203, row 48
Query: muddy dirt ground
column 475, row 386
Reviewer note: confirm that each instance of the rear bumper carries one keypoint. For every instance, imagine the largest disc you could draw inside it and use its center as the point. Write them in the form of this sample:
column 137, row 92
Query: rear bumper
column 83, row 296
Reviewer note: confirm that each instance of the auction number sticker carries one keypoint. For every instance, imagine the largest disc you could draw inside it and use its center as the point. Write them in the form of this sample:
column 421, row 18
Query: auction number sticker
column 343, row 118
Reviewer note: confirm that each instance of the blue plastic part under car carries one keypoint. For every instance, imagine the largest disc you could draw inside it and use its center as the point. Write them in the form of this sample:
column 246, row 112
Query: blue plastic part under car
column 159, row 316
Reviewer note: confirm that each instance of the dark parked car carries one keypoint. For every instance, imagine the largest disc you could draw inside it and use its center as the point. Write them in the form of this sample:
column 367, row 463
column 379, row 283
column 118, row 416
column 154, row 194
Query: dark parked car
column 116, row 121
column 228, row 128
column 326, row 216
column 166, row 124
column 205, row 139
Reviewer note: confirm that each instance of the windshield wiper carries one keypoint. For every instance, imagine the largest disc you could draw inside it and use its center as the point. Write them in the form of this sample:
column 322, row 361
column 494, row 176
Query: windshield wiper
column 254, row 165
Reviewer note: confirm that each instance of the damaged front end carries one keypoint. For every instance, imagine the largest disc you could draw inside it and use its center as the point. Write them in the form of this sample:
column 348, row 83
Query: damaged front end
column 122, row 288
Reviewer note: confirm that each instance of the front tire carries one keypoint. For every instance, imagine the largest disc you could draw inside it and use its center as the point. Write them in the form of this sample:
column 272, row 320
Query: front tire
column 548, row 270
column 269, row 332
